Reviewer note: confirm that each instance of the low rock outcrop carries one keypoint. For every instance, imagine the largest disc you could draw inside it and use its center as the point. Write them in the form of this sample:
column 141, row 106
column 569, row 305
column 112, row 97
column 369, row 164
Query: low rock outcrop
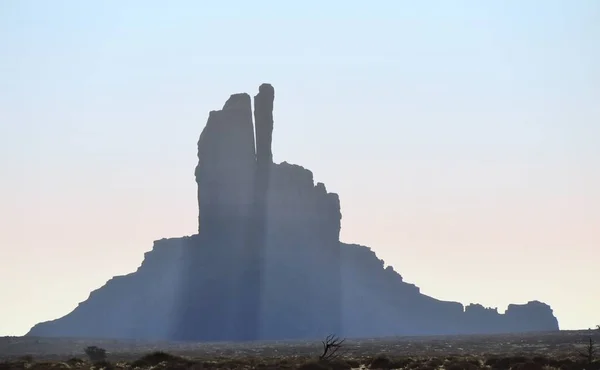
column 267, row 262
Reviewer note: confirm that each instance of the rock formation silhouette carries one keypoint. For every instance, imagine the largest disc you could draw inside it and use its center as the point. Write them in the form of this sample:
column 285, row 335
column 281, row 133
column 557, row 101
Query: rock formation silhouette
column 267, row 262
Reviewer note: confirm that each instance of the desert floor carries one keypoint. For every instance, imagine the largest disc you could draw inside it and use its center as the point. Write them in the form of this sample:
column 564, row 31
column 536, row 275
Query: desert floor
column 557, row 350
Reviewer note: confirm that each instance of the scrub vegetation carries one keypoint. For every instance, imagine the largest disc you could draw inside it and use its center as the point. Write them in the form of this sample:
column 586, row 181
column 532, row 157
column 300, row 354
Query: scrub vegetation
column 569, row 350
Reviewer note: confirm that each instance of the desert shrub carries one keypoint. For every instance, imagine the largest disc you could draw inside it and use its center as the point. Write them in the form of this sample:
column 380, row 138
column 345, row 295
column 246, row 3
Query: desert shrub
column 95, row 354
column 491, row 361
column 155, row 358
column 381, row 362
column 208, row 364
column 285, row 361
column 26, row 358
column 471, row 360
column 105, row 365
column 508, row 362
column 315, row 365
column 461, row 365
column 529, row 365
column 564, row 364
column 74, row 361
column 238, row 363
column 49, row 365
column 353, row 362
column 413, row 364
column 541, row 360
column 404, row 362
column 339, row 364
column 518, row 359
column 435, row 362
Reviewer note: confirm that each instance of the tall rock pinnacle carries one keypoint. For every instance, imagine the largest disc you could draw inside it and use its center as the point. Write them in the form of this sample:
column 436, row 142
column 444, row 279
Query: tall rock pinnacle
column 226, row 165
column 263, row 117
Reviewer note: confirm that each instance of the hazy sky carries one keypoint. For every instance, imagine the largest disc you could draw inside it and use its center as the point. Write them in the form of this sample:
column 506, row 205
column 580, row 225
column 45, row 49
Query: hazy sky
column 462, row 137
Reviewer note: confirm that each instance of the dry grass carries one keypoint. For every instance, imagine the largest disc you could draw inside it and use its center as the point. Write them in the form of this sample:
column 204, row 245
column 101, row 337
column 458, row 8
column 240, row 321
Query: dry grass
column 556, row 351
column 163, row 360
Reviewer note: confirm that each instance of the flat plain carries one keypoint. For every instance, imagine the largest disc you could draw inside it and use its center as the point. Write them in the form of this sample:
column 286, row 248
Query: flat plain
column 530, row 351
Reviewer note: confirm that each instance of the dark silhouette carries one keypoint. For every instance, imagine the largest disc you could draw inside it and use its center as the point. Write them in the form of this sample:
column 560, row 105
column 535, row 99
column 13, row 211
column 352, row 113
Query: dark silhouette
column 590, row 351
column 331, row 346
column 267, row 262
column 95, row 354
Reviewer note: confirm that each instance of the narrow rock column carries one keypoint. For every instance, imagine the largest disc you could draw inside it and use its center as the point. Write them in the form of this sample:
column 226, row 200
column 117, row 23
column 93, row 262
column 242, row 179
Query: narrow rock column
column 263, row 123
column 263, row 117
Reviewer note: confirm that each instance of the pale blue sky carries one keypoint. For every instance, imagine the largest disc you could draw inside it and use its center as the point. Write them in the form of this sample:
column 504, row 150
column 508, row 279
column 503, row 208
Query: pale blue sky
column 461, row 136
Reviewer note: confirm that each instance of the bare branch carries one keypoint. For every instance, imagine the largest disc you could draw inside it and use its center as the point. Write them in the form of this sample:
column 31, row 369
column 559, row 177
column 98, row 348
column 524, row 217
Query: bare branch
column 331, row 345
column 590, row 352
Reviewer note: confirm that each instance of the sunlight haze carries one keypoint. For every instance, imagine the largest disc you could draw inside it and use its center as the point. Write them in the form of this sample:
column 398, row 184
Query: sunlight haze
column 462, row 138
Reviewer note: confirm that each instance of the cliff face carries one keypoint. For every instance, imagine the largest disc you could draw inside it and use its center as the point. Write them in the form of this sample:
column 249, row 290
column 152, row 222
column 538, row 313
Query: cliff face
column 393, row 307
column 226, row 167
column 267, row 262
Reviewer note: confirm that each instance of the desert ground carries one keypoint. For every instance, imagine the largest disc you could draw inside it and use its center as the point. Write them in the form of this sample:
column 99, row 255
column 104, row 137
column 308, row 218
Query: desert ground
column 531, row 351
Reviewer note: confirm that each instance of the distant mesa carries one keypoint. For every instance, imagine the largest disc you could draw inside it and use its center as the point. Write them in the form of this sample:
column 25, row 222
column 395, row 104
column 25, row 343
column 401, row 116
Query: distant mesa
column 267, row 262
